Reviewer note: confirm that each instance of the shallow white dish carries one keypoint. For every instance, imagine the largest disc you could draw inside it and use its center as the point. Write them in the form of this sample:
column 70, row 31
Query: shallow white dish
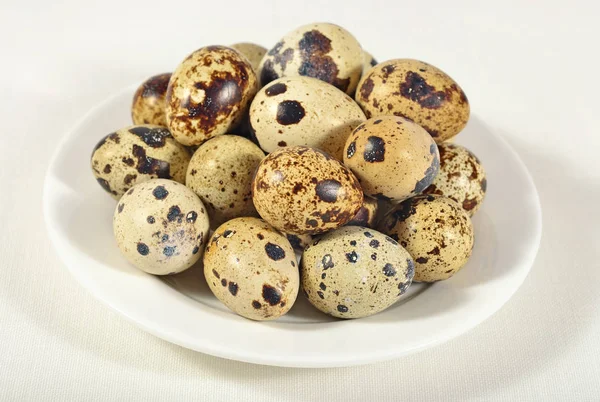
column 181, row 309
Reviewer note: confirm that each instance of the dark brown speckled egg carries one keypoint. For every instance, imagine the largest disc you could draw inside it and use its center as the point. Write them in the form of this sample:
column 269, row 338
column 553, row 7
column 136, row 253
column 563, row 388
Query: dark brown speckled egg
column 251, row 268
column 392, row 157
column 208, row 94
column 302, row 190
column 436, row 231
column 418, row 91
column 136, row 154
column 355, row 272
column 149, row 101
column 461, row 177
column 324, row 51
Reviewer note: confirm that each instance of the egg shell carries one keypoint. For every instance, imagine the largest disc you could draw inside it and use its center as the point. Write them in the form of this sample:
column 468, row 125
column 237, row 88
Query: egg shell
column 324, row 51
column 136, row 154
column 299, row 242
column 355, row 272
column 251, row 268
column 392, row 157
column 368, row 61
column 366, row 215
column 149, row 101
column 461, row 177
column 253, row 52
column 436, row 231
column 220, row 173
column 208, row 94
column 304, row 111
column 418, row 91
column 161, row 227
column 302, row 190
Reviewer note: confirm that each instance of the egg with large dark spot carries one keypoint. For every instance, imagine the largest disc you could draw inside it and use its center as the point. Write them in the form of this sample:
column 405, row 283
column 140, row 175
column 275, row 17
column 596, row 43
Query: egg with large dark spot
column 461, row 177
column 209, row 93
column 323, row 51
column 301, row 190
column 355, row 272
column 149, row 102
column 436, row 231
column 392, row 157
column 417, row 91
column 260, row 262
column 303, row 111
column 221, row 172
column 136, row 154
column 157, row 234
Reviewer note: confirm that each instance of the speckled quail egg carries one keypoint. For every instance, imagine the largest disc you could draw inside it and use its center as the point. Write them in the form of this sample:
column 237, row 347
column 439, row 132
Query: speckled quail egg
column 366, row 215
column 324, row 51
column 303, row 111
column 253, row 52
column 149, row 103
column 461, row 177
column 355, row 272
column 302, row 190
column 221, row 172
column 136, row 154
column 208, row 94
column 299, row 241
column 368, row 61
column 436, row 231
column 161, row 227
column 251, row 268
column 392, row 157
column 418, row 91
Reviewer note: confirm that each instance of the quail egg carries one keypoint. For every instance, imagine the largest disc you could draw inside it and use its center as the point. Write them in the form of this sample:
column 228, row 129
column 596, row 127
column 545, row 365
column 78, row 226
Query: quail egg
column 136, row 154
column 392, row 157
column 208, row 94
column 355, row 272
column 368, row 61
column 366, row 215
column 220, row 172
column 324, row 51
column 417, row 91
column 251, row 268
column 461, row 177
column 253, row 52
column 298, row 242
column 303, row 111
column 302, row 190
column 436, row 231
column 149, row 101
column 161, row 226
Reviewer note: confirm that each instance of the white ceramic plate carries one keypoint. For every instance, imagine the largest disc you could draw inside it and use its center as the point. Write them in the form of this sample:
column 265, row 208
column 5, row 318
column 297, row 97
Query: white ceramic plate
column 181, row 309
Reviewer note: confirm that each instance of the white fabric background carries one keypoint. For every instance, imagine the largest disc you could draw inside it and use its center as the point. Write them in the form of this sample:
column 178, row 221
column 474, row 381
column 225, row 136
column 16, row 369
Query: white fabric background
column 530, row 71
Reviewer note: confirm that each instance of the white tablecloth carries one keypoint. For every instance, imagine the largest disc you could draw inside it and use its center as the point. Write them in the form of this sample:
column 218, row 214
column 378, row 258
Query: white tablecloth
column 530, row 71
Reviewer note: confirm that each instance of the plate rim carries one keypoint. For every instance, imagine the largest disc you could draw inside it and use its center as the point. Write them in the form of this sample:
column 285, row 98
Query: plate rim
column 256, row 358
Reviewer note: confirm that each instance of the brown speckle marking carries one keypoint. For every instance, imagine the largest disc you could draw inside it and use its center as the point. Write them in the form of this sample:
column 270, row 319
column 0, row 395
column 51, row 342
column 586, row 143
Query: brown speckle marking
column 418, row 90
column 314, row 47
column 271, row 295
column 289, row 112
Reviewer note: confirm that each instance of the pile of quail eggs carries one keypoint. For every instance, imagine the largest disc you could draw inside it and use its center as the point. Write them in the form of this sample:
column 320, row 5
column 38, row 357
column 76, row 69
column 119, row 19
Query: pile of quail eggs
column 243, row 157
